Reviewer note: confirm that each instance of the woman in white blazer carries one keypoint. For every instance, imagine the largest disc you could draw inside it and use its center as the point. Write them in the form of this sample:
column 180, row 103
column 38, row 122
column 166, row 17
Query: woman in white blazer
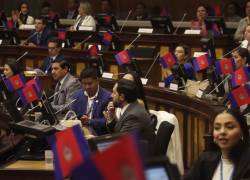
column 84, row 17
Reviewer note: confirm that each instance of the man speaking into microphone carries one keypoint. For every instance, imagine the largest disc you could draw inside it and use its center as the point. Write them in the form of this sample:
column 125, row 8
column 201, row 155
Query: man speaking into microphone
column 41, row 35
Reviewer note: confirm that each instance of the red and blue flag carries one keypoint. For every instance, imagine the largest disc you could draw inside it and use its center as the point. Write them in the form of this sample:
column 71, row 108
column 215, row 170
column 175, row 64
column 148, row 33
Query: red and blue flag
column 37, row 83
column 123, row 57
column 93, row 50
column 241, row 76
column 168, row 60
column 225, row 66
column 28, row 94
column 70, row 150
column 202, row 62
column 239, row 96
column 61, row 35
column 123, row 158
column 107, row 38
column 15, row 82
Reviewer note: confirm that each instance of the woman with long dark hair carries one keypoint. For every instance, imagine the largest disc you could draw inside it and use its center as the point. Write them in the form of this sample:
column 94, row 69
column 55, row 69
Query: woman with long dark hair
column 230, row 158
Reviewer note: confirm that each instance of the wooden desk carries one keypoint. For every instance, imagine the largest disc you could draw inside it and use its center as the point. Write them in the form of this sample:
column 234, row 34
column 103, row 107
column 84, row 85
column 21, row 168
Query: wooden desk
column 222, row 43
column 27, row 170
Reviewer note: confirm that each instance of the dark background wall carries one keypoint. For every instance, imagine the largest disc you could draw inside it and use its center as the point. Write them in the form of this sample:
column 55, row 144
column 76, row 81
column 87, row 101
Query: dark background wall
column 176, row 8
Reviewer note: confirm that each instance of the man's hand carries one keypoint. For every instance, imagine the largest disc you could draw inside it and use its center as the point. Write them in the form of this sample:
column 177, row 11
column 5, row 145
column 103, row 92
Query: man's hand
column 110, row 113
column 85, row 120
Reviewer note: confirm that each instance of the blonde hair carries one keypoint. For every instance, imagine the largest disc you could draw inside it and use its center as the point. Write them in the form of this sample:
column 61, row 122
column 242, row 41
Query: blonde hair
column 87, row 6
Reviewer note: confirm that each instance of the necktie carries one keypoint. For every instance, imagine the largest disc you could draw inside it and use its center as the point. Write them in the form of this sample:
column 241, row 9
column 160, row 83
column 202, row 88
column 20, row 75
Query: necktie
column 38, row 38
column 56, row 98
column 48, row 67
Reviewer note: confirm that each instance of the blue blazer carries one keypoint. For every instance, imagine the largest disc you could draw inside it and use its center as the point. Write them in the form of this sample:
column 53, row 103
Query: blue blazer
column 46, row 34
column 48, row 64
column 98, row 122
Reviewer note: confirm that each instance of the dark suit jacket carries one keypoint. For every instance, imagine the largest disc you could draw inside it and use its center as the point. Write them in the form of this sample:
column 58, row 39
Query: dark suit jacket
column 47, row 63
column 207, row 163
column 46, row 34
column 134, row 117
column 68, row 87
column 64, row 14
column 98, row 121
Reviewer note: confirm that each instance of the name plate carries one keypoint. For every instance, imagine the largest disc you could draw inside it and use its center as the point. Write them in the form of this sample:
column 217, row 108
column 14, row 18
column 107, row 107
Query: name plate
column 199, row 93
column 107, row 75
column 192, row 31
column 27, row 26
column 86, row 28
column 144, row 81
column 98, row 46
column 173, row 87
column 161, row 84
column 198, row 54
column 145, row 30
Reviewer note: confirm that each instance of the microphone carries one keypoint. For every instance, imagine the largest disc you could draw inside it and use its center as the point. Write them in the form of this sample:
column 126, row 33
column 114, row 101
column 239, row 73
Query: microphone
column 24, row 54
column 133, row 41
column 150, row 68
column 179, row 24
column 216, row 87
column 83, row 41
column 125, row 21
column 65, row 106
column 30, row 36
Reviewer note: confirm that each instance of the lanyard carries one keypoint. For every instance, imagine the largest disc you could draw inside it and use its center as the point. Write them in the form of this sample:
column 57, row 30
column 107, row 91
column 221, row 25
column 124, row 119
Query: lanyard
column 221, row 172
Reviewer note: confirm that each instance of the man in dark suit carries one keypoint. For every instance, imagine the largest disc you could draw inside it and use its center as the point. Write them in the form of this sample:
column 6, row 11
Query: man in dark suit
column 132, row 115
column 41, row 35
column 54, row 49
column 65, row 87
column 91, row 101
column 72, row 10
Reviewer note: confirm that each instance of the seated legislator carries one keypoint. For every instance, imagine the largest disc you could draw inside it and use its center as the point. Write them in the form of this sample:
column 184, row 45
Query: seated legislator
column 107, row 10
column 230, row 157
column 66, row 84
column 84, row 17
column 106, row 7
column 54, row 49
column 241, row 57
column 72, row 10
column 199, row 23
column 183, row 70
column 41, row 35
column 134, row 77
column 140, row 12
column 239, row 33
column 91, row 101
column 133, row 115
column 9, row 69
column 21, row 16
column 50, row 16
column 232, row 12
column 246, row 37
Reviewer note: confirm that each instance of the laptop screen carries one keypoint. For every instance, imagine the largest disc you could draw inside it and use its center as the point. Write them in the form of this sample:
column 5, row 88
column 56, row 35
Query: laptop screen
column 156, row 173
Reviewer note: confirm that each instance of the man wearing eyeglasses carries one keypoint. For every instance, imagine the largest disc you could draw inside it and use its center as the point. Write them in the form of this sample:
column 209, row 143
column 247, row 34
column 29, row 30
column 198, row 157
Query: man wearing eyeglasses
column 54, row 49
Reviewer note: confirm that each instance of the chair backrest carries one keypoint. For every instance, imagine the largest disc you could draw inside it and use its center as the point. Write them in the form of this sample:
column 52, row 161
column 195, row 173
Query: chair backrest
column 162, row 138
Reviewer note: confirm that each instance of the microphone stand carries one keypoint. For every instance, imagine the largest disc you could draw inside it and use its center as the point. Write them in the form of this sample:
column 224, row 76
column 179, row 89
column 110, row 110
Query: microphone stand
column 179, row 24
